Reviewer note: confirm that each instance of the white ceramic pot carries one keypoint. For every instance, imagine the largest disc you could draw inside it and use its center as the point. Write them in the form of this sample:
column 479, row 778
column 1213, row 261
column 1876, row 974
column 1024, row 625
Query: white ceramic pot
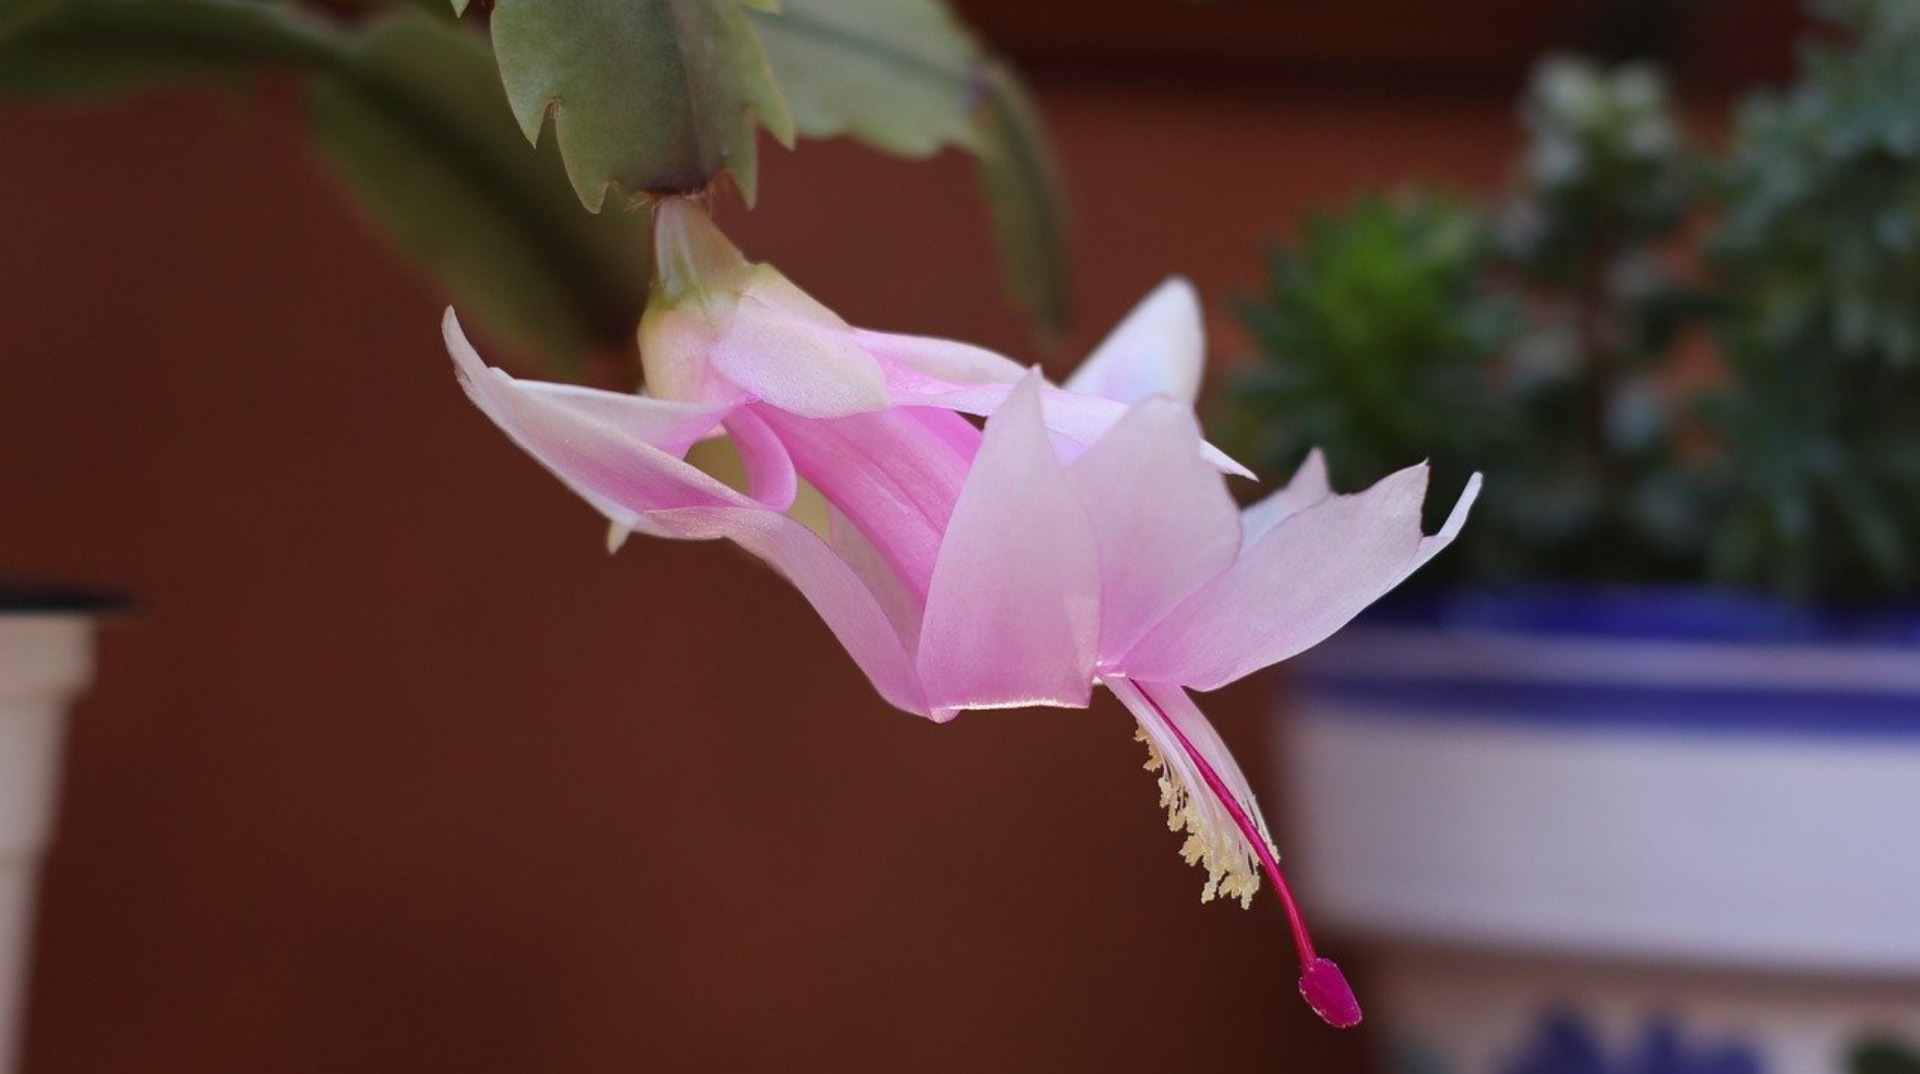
column 46, row 658
column 1620, row 833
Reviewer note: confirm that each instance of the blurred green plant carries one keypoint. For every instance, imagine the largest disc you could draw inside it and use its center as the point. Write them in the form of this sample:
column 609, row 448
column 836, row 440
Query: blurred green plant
column 1386, row 322
column 407, row 110
column 1672, row 367
column 646, row 96
column 1819, row 254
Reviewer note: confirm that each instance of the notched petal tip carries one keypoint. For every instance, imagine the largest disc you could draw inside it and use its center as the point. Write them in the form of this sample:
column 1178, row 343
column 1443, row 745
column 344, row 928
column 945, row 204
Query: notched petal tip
column 1325, row 989
column 1457, row 518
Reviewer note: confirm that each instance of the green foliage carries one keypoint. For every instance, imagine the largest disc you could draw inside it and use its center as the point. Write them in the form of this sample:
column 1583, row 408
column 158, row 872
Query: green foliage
column 1387, row 325
column 97, row 47
column 17, row 15
column 410, row 114
column 647, row 96
column 1819, row 479
column 1023, row 192
column 899, row 75
column 1819, row 254
column 1882, row 1055
column 1797, row 471
column 1823, row 200
column 413, row 121
column 1518, row 347
column 653, row 96
column 906, row 78
column 1603, row 167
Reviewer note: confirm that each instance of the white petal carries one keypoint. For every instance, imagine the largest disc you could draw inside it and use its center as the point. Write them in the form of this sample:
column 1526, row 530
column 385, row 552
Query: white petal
column 1299, row 582
column 780, row 346
column 1308, row 487
column 1075, row 420
column 1159, row 349
column 917, row 367
column 619, row 452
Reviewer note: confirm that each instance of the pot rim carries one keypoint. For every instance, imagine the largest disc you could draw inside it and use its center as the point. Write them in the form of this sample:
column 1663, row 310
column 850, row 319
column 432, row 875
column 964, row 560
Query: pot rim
column 1702, row 614
column 23, row 597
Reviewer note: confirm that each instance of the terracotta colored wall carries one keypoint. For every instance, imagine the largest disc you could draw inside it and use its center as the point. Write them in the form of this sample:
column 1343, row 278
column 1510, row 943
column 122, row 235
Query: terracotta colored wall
column 398, row 772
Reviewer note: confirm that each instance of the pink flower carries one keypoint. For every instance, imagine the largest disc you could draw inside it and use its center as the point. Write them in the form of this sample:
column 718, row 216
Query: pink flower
column 1085, row 537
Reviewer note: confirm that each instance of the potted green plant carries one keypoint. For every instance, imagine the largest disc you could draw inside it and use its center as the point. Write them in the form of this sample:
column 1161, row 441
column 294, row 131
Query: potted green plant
column 1631, row 780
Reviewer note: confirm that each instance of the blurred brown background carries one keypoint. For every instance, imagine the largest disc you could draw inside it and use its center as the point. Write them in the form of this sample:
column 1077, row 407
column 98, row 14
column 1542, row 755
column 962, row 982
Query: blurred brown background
column 396, row 771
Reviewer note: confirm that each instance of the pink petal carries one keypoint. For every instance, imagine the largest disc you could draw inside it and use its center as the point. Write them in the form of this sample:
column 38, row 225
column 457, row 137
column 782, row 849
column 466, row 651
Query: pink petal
column 593, row 442
column 716, row 316
column 1013, row 612
column 1308, row 487
column 782, row 347
column 1299, row 582
column 921, row 366
column 1157, row 350
column 1075, row 421
column 670, row 426
column 901, row 604
column 771, row 478
column 832, row 587
column 618, row 452
column 1161, row 515
column 895, row 474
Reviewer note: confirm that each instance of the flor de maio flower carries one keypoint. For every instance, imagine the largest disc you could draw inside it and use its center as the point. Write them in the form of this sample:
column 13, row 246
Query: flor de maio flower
column 1084, row 537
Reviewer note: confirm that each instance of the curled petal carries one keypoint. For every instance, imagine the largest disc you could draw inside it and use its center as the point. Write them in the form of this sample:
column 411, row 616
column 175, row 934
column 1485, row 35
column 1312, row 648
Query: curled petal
column 1158, row 350
column 619, row 452
column 1299, row 582
column 919, row 367
column 771, row 478
column 1013, row 610
column 895, row 475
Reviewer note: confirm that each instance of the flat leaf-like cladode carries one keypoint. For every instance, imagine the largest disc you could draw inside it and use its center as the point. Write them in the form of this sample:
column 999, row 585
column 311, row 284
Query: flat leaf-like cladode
column 664, row 96
column 656, row 96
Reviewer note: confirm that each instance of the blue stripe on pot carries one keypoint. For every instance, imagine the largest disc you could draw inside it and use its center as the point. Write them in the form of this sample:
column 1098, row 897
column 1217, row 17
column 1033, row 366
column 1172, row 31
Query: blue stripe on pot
column 1646, row 659
column 1648, row 614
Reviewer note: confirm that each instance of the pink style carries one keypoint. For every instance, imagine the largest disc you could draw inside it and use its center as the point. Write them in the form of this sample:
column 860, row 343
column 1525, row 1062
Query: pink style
column 1085, row 537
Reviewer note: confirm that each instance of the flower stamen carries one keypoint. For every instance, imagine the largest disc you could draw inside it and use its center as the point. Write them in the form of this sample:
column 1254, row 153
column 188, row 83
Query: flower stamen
column 1322, row 984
